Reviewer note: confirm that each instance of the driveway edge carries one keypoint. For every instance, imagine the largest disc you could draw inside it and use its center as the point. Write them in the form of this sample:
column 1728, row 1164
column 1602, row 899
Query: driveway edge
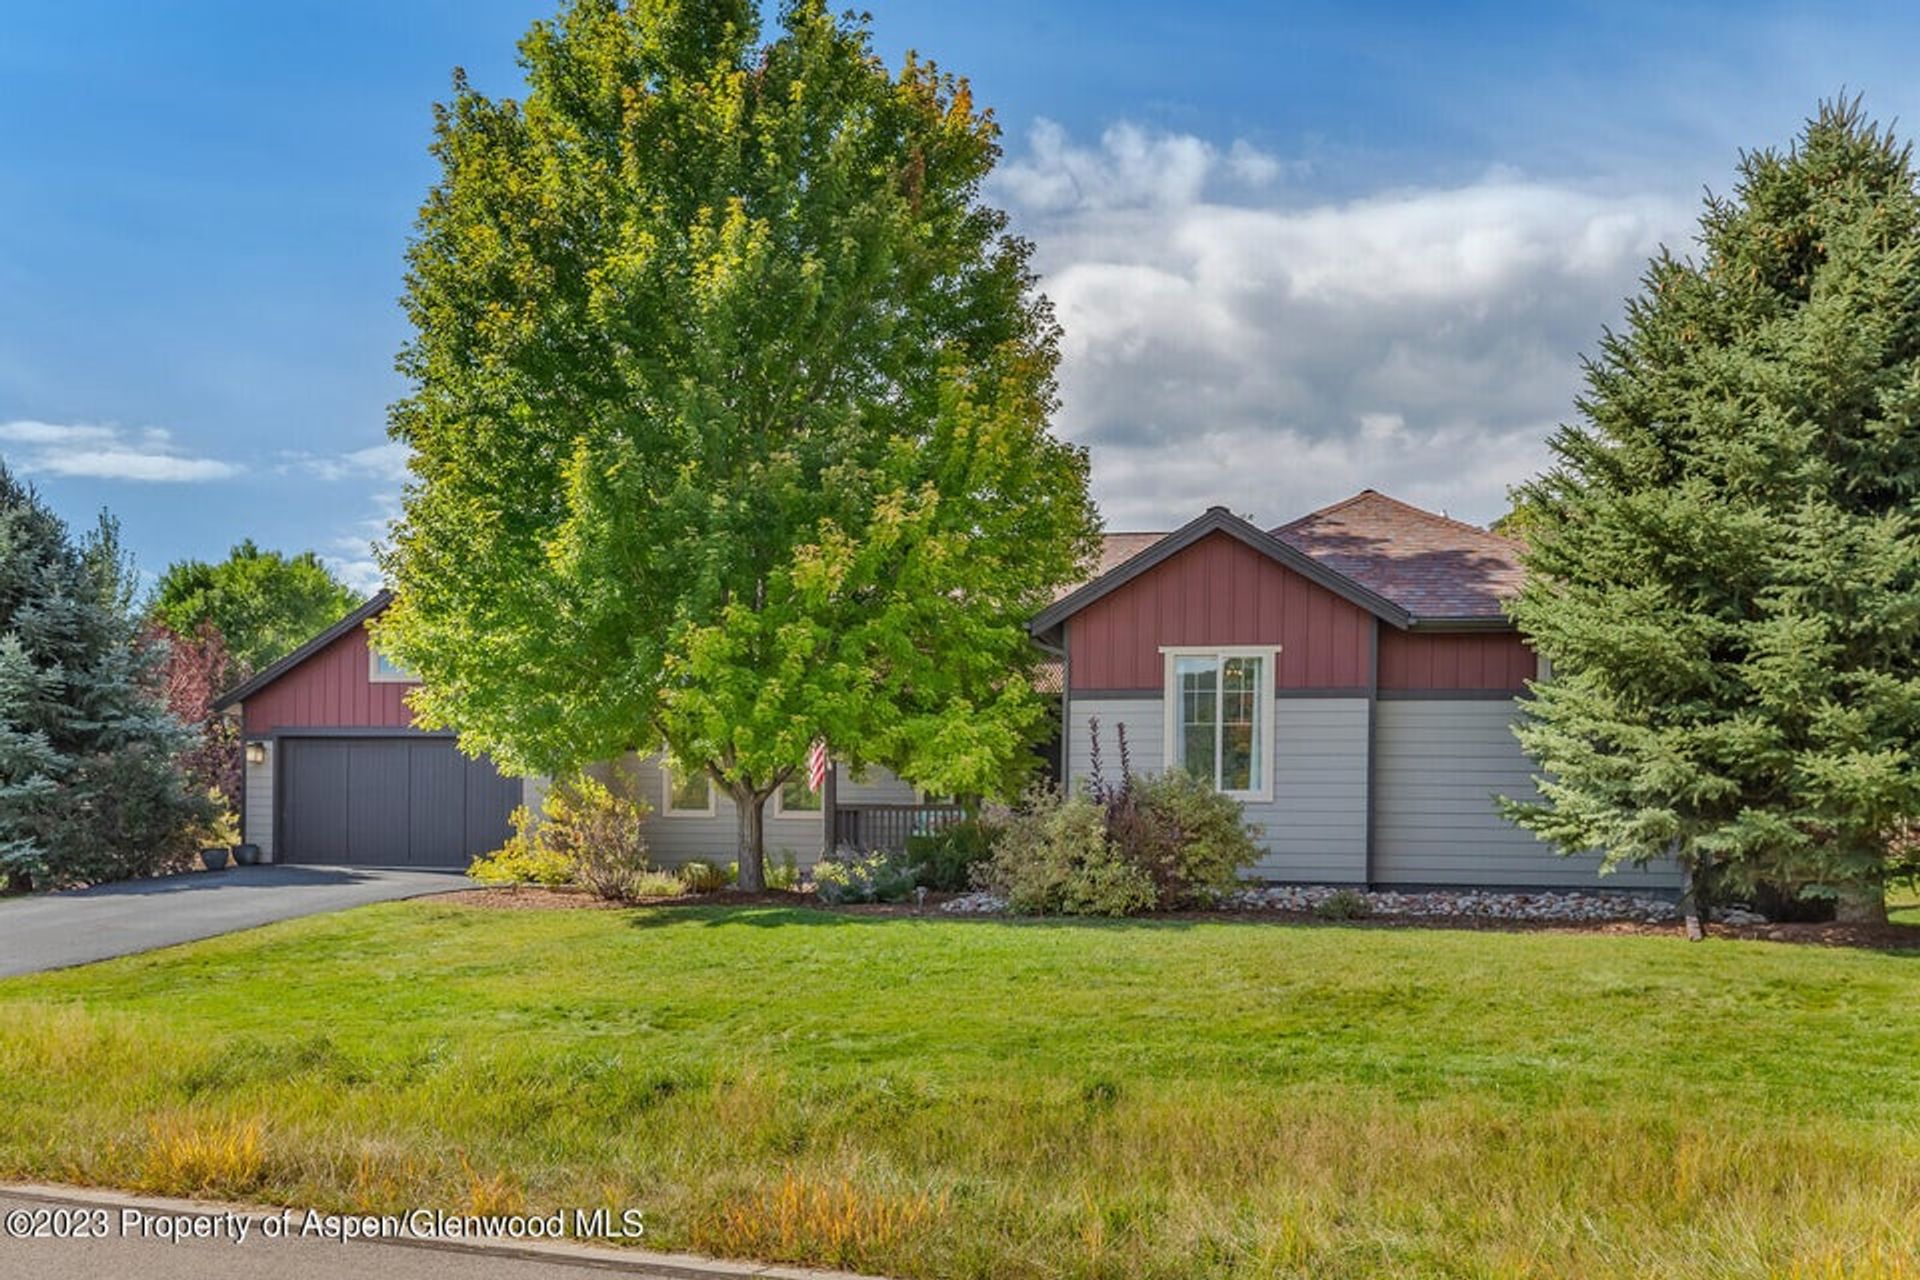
column 644, row 1262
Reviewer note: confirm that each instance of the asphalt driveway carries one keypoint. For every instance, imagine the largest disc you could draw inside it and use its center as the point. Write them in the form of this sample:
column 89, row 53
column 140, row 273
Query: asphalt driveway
column 56, row 930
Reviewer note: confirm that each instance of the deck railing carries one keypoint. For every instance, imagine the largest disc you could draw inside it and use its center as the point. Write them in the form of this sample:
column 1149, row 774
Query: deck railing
column 886, row 826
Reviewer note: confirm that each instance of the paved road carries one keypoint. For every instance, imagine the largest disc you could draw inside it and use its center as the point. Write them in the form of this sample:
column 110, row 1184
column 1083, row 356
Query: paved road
column 132, row 1247
column 55, row 930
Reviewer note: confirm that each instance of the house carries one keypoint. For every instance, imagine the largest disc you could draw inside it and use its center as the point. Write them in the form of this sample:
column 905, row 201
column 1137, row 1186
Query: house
column 336, row 771
column 1349, row 676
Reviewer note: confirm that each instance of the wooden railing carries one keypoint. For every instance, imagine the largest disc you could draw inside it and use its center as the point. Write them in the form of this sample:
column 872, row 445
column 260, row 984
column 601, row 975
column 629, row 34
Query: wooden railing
column 886, row 826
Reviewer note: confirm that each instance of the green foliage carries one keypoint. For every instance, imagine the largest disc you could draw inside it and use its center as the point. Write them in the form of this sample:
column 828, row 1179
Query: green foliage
column 263, row 604
column 1191, row 840
column 1724, row 562
column 90, row 782
column 1053, row 857
column 655, row 883
column 944, row 861
column 875, row 876
column 1344, row 904
column 525, row 858
column 704, row 877
column 729, row 413
column 587, row 834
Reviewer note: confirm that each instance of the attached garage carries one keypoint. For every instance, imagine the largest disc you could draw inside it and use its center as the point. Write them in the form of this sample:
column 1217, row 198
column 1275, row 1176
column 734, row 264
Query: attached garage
column 338, row 773
column 389, row 802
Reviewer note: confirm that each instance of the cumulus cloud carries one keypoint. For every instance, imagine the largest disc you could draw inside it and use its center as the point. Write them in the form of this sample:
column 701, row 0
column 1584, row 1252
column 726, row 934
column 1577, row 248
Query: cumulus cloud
column 1225, row 345
column 101, row 452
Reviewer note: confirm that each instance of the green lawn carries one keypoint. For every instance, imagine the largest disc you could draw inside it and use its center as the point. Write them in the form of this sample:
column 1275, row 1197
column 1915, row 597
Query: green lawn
column 975, row 1098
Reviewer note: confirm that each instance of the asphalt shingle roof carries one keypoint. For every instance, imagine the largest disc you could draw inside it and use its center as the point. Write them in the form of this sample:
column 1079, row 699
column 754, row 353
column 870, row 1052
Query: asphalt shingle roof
column 1428, row 564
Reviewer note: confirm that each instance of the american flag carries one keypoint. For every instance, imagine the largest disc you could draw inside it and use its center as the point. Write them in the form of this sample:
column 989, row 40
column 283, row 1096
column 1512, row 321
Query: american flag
column 817, row 765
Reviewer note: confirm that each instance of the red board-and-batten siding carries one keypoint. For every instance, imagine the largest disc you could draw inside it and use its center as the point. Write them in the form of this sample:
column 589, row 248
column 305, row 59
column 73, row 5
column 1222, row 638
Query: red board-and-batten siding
column 330, row 690
column 1221, row 591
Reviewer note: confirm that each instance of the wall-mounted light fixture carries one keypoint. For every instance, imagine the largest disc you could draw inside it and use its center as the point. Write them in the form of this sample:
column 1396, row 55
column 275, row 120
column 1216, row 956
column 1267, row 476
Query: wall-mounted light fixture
column 256, row 753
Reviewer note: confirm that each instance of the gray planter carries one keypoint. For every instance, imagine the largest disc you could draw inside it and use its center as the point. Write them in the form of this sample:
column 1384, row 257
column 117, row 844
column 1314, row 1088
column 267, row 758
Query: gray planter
column 246, row 854
column 213, row 859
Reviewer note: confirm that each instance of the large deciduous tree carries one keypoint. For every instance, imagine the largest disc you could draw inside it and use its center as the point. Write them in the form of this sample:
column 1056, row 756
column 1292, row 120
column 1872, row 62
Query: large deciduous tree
column 1724, row 563
column 729, row 421
column 263, row 604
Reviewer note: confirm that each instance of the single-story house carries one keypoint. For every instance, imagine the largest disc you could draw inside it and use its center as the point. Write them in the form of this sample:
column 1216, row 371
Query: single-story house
column 1349, row 676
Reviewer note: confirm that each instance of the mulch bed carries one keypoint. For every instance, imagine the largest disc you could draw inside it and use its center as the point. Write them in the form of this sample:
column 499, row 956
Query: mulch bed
column 1876, row 937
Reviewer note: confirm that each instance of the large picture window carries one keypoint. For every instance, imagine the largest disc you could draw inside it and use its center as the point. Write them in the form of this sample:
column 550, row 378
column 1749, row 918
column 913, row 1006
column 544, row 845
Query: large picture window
column 1219, row 717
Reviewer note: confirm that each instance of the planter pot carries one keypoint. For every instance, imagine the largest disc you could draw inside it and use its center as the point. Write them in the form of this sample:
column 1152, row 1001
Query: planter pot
column 213, row 859
column 246, row 854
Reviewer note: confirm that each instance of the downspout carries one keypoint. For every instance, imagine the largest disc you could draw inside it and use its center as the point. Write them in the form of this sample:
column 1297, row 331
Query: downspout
column 1373, row 721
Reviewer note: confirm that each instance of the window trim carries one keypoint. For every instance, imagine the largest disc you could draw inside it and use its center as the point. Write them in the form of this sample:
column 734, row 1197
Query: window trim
column 780, row 809
column 1170, row 709
column 376, row 676
column 666, row 797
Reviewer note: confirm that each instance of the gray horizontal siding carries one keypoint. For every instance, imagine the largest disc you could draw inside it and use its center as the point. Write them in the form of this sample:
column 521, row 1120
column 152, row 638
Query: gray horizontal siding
column 1314, row 828
column 672, row 839
column 1438, row 767
column 256, row 815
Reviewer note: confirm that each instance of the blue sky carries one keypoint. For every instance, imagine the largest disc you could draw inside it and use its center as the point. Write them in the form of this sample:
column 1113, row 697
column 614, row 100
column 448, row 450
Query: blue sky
column 1297, row 248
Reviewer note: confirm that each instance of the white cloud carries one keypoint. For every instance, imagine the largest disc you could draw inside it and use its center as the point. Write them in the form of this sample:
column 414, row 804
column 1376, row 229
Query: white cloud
column 102, row 452
column 1223, row 347
column 379, row 462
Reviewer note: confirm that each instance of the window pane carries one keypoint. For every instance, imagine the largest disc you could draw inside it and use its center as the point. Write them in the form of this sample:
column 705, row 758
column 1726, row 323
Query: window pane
column 1241, row 701
column 1199, row 710
column 689, row 792
column 796, row 796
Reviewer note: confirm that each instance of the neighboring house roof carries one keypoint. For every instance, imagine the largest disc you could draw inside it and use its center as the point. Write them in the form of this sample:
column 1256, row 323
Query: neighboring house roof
column 269, row 674
column 1409, row 567
column 1436, row 568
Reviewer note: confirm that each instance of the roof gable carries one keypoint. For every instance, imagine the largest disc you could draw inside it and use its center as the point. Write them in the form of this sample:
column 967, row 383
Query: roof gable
column 374, row 606
column 1216, row 520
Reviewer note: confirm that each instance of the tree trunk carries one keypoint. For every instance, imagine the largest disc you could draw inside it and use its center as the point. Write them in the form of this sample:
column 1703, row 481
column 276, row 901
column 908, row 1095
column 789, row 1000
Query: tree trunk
column 752, row 844
column 1864, row 902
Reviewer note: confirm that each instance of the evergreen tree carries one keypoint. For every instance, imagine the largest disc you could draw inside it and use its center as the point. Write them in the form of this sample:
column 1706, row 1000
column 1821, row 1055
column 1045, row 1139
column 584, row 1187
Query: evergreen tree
column 1724, row 562
column 89, row 785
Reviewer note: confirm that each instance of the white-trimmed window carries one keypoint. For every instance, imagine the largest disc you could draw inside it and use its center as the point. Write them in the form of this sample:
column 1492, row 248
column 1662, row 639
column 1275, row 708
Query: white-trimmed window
column 796, row 799
column 1219, row 717
column 691, row 796
column 384, row 670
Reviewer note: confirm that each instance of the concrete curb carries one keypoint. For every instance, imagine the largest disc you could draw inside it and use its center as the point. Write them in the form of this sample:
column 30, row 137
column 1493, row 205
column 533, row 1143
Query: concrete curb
column 639, row 1262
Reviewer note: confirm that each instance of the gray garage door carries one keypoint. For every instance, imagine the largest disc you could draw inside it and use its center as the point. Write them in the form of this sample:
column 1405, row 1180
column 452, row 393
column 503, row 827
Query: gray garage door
column 389, row 802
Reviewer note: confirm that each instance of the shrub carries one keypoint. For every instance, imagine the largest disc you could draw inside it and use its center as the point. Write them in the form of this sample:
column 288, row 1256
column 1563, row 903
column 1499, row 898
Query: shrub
column 1344, row 904
column 704, row 877
column 877, row 876
column 524, row 859
column 944, row 861
column 602, row 832
column 658, row 884
column 1158, row 842
column 1052, row 856
column 1191, row 839
column 586, row 834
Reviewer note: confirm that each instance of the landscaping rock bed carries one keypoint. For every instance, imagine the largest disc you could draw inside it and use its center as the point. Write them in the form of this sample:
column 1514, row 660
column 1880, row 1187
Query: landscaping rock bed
column 1454, row 904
